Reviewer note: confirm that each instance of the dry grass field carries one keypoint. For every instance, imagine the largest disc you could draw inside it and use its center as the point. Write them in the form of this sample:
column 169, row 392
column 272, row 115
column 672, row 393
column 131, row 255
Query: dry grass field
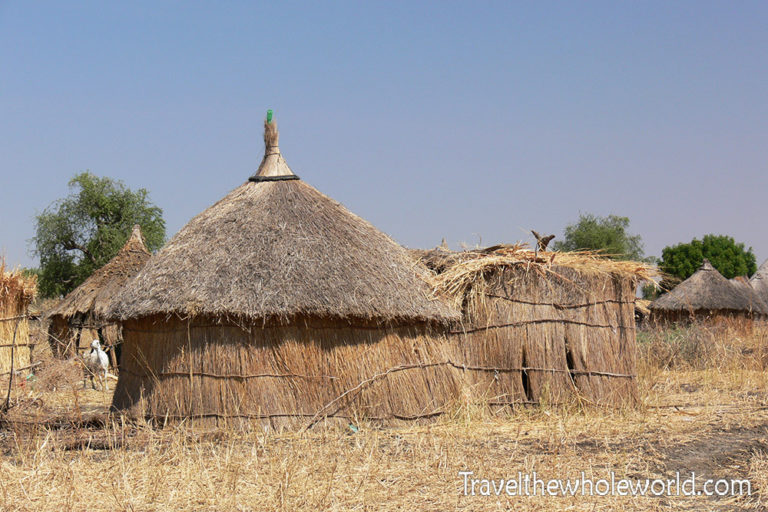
column 704, row 408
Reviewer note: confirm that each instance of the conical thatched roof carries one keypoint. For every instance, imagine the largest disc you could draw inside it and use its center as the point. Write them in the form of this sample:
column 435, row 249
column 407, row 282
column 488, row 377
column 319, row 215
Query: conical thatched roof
column 276, row 248
column 742, row 282
column 707, row 289
column 759, row 281
column 95, row 293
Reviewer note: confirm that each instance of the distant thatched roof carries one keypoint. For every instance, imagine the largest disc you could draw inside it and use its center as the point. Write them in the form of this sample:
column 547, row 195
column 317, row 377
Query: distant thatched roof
column 276, row 248
column 707, row 289
column 742, row 282
column 95, row 293
column 759, row 281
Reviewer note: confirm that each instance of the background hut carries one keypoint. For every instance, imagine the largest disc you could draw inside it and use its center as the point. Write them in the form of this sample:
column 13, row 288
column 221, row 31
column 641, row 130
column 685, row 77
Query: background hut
column 278, row 304
column 542, row 326
column 79, row 318
column 759, row 282
column 16, row 293
column 745, row 288
column 709, row 296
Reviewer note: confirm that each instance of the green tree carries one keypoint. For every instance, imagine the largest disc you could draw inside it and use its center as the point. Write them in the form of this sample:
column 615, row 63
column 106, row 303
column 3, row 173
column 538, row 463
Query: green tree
column 730, row 258
column 606, row 234
column 81, row 232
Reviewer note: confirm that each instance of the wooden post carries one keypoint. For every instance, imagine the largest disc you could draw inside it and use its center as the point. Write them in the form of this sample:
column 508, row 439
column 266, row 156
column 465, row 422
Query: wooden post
column 7, row 404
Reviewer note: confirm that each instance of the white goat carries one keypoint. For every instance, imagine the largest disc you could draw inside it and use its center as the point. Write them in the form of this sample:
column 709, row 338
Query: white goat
column 97, row 363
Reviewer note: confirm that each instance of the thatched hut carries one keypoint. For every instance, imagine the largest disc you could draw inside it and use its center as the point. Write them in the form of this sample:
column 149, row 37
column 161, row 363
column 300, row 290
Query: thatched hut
column 542, row 326
column 759, row 282
column 708, row 296
column 16, row 293
column 277, row 304
column 742, row 284
column 80, row 317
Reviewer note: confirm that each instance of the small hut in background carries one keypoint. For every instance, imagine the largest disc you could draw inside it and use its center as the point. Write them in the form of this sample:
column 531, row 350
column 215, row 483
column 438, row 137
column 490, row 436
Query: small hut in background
column 79, row 318
column 642, row 310
column 542, row 326
column 16, row 293
column 742, row 283
column 277, row 304
column 709, row 296
column 759, row 282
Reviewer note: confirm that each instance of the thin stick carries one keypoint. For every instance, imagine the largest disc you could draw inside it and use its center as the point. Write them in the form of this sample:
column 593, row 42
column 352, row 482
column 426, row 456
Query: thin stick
column 33, row 365
column 541, row 321
column 189, row 356
column 7, row 404
column 19, row 317
column 378, row 376
column 500, row 369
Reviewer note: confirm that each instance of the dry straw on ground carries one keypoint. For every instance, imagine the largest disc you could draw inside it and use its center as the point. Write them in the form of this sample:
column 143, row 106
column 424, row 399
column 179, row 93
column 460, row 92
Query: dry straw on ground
column 706, row 413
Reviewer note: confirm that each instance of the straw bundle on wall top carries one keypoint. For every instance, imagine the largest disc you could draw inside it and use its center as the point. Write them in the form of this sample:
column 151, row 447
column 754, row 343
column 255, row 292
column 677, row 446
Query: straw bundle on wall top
column 85, row 307
column 542, row 326
column 16, row 293
column 279, row 304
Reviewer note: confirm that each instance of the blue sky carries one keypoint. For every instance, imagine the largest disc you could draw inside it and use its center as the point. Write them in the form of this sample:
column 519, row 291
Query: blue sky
column 470, row 122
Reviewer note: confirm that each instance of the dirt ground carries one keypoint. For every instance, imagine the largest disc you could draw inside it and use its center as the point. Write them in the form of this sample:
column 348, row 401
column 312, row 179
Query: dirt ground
column 704, row 412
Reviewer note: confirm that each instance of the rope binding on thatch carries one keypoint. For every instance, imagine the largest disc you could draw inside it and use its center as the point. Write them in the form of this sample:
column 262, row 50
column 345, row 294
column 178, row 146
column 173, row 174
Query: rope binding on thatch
column 19, row 317
column 258, row 179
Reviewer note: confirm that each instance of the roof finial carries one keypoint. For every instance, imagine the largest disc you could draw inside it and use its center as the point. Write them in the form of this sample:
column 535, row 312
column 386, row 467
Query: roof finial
column 271, row 135
column 273, row 166
column 136, row 238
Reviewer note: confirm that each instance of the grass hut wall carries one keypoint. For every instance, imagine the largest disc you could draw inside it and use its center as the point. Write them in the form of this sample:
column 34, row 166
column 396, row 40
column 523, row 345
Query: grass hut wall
column 708, row 296
column 277, row 304
column 542, row 326
column 16, row 293
column 78, row 318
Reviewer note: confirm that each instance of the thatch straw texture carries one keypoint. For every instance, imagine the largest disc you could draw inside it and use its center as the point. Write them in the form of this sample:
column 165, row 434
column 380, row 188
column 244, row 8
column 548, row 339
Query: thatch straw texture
column 93, row 296
column 759, row 282
column 280, row 250
column 543, row 326
column 75, row 319
column 16, row 293
column 707, row 294
column 282, row 375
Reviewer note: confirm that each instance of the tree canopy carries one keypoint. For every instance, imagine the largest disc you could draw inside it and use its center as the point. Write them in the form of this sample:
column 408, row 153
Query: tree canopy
column 730, row 258
column 78, row 234
column 606, row 234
